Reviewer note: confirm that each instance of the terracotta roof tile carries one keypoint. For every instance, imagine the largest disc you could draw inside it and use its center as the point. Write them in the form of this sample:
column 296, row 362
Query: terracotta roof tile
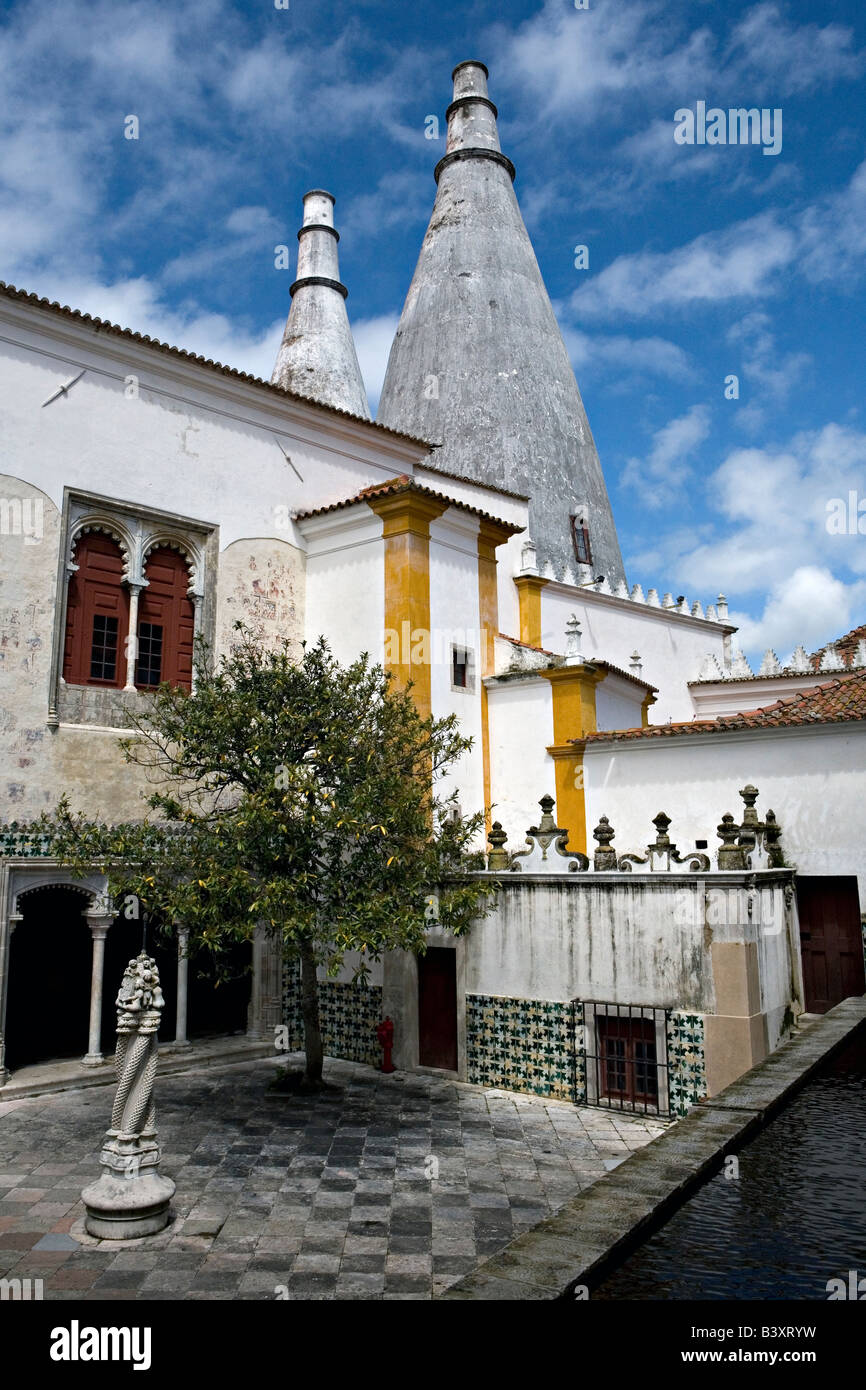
column 403, row 483
column 837, row 701
column 845, row 646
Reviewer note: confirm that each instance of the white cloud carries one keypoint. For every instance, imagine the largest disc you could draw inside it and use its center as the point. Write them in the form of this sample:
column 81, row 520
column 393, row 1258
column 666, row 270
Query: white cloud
column 809, row 606
column 664, row 471
column 825, row 241
column 770, row 510
column 651, row 356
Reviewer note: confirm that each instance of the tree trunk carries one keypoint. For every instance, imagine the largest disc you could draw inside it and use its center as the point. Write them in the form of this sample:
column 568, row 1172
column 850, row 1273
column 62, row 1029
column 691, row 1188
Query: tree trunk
column 310, row 1012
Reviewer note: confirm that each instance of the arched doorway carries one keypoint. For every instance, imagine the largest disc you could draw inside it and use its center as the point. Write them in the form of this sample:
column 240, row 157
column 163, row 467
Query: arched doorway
column 48, row 1001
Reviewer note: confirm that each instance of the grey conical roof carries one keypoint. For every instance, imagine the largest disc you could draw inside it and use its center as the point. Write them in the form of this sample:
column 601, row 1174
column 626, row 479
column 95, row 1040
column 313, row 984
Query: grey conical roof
column 478, row 363
column 317, row 355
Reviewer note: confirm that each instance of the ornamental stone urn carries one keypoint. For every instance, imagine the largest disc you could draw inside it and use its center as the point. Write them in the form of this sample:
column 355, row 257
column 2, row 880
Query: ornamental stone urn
column 131, row 1198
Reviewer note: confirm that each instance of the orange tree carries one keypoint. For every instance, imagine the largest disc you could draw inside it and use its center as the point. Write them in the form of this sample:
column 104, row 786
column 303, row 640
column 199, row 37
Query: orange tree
column 295, row 793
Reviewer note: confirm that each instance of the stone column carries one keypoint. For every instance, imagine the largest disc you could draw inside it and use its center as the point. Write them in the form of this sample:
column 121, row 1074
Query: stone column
column 7, row 927
column 266, row 995
column 98, row 924
column 180, row 1038
column 196, row 601
column 130, row 1198
column 132, row 640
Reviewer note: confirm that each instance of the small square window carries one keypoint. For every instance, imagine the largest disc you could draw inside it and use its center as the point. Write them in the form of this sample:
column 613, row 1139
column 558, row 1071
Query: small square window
column 461, row 668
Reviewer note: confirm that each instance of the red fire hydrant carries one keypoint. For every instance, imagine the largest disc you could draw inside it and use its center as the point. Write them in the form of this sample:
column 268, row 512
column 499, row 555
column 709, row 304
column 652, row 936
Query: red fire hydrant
column 385, row 1034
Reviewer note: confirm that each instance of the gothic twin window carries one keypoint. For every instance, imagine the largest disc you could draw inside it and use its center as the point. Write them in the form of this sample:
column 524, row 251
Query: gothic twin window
column 97, row 646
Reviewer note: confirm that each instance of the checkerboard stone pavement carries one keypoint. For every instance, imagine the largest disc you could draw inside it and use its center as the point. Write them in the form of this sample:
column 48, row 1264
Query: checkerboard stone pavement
column 334, row 1196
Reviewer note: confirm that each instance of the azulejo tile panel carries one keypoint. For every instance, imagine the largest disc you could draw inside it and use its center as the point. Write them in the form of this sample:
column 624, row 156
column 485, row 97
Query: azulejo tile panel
column 522, row 1044
column 687, row 1075
column 348, row 1014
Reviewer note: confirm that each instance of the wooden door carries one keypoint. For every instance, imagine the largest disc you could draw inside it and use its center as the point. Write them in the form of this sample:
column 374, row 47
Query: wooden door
column 437, row 1008
column 831, row 941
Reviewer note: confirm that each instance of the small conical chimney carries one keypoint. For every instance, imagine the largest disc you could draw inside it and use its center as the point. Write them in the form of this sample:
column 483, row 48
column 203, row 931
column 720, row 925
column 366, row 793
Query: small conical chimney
column 317, row 356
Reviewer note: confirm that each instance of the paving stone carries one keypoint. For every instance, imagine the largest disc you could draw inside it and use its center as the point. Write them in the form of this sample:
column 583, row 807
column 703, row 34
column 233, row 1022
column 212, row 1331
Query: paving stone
column 325, row 1195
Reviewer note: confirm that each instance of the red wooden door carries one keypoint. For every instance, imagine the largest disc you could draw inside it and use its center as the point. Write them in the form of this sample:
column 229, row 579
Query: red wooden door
column 831, row 941
column 437, row 1008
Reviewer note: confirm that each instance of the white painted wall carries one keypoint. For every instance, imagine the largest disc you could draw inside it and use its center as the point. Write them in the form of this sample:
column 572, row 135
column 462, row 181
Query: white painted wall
column 672, row 646
column 618, row 703
column 193, row 442
column 454, row 618
column 346, row 582
column 636, row 939
column 813, row 778
column 520, row 716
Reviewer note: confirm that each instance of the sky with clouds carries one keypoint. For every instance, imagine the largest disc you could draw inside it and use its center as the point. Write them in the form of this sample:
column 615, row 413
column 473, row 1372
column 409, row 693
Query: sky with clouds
column 705, row 261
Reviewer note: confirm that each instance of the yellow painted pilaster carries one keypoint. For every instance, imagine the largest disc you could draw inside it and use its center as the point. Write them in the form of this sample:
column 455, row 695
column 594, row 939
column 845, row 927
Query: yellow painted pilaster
column 574, row 716
column 490, row 535
column 644, row 709
column 529, row 587
column 406, row 518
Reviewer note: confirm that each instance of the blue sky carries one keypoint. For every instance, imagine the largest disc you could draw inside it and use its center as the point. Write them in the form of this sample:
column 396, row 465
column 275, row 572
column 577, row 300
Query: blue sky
column 704, row 260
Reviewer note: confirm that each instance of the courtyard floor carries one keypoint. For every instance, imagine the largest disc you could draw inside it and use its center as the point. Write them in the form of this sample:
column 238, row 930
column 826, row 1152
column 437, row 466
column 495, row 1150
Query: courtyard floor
column 391, row 1187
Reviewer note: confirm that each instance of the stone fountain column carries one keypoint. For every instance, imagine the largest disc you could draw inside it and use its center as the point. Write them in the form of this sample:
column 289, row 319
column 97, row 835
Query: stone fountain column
column 130, row 1198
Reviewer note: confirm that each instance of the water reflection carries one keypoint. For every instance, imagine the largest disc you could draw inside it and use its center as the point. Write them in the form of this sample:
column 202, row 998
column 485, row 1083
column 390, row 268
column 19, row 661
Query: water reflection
column 795, row 1218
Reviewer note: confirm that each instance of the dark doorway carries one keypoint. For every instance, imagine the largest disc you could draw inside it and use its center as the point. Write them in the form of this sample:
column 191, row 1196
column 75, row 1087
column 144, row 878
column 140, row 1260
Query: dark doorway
column 50, row 960
column 437, row 1008
column 218, row 1006
column 831, row 941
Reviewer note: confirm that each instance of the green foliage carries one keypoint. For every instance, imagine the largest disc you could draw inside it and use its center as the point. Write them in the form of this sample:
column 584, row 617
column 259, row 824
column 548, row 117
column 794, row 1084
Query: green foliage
column 294, row 792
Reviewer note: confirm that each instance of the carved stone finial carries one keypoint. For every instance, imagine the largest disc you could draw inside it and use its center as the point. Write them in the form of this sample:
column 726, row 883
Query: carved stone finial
column 604, row 857
column 773, row 834
column 498, row 857
column 573, row 656
column 131, row 1198
column 663, row 855
column 730, row 854
column 543, row 837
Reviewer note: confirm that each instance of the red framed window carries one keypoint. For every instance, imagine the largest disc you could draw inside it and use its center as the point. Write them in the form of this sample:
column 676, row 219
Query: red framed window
column 628, row 1065
column 166, row 623
column 580, row 540
column 97, row 615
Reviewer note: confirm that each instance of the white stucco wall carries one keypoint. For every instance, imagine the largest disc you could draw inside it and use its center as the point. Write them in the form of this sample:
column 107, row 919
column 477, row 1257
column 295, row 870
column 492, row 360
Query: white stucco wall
column 813, row 778
column 636, row 939
column 672, row 646
column 454, row 618
column 618, row 703
column 520, row 715
column 345, row 599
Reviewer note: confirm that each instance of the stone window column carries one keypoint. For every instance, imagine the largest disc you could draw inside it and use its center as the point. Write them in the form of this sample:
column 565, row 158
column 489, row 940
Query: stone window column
column 98, row 922
column 7, row 927
column 132, row 640
column 196, row 601
column 180, row 1038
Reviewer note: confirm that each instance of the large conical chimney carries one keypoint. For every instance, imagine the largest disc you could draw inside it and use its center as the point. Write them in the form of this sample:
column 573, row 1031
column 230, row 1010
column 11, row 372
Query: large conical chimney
column 478, row 363
column 317, row 355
